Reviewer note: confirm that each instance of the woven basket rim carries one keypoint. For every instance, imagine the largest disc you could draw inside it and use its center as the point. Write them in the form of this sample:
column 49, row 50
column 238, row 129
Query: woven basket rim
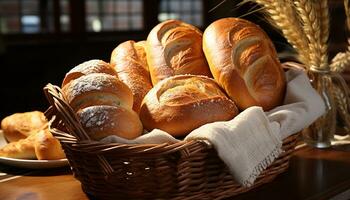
column 55, row 97
column 75, row 141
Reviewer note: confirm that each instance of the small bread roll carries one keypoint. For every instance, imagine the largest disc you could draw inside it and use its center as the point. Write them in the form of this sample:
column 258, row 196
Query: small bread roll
column 182, row 103
column 102, row 121
column 97, row 89
column 173, row 48
column 130, row 62
column 21, row 149
column 244, row 62
column 103, row 105
column 40, row 145
column 20, row 125
column 47, row 147
column 88, row 67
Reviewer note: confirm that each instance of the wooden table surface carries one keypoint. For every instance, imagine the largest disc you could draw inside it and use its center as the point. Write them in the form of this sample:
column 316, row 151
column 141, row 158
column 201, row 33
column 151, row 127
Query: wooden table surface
column 313, row 174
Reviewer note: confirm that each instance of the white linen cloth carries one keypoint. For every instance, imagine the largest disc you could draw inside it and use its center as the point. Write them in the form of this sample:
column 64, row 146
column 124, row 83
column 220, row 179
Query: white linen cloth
column 252, row 140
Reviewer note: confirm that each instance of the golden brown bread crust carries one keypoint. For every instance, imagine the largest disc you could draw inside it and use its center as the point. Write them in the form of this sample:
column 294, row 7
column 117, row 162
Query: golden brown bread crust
column 102, row 121
column 180, row 104
column 97, row 89
column 244, row 62
column 88, row 67
column 173, row 48
column 47, row 147
column 20, row 125
column 103, row 105
column 40, row 145
column 130, row 62
column 21, row 149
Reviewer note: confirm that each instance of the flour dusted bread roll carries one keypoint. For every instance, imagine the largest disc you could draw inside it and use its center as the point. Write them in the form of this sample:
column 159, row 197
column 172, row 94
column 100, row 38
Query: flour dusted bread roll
column 130, row 62
column 182, row 103
column 20, row 125
column 104, row 106
column 244, row 62
column 102, row 121
column 89, row 67
column 97, row 89
column 173, row 48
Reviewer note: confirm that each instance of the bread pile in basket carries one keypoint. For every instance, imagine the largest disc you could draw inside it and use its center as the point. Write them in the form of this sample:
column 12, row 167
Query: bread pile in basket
column 177, row 80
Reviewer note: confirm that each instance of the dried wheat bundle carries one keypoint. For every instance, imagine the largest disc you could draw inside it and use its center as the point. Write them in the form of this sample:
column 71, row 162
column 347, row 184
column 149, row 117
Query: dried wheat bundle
column 342, row 60
column 281, row 14
column 305, row 25
column 347, row 12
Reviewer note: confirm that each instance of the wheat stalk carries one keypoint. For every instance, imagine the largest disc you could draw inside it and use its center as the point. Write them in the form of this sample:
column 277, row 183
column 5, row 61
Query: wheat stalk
column 311, row 26
column 323, row 11
column 342, row 105
column 340, row 62
column 282, row 15
column 347, row 13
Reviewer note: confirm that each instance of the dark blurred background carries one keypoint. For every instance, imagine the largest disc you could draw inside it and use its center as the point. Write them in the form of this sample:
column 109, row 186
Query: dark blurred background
column 40, row 40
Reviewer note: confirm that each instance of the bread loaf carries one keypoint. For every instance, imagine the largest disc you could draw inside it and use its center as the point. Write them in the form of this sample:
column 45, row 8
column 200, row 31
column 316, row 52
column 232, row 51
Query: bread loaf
column 130, row 62
column 89, row 67
column 244, row 62
column 182, row 103
column 20, row 125
column 173, row 48
column 103, row 105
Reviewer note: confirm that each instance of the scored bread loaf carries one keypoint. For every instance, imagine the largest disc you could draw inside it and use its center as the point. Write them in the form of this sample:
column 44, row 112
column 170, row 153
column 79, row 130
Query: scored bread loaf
column 89, row 67
column 179, row 104
column 103, row 105
column 244, row 62
column 174, row 48
column 20, row 125
column 130, row 62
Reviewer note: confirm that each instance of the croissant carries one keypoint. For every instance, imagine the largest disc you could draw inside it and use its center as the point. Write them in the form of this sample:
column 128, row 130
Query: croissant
column 41, row 145
column 20, row 125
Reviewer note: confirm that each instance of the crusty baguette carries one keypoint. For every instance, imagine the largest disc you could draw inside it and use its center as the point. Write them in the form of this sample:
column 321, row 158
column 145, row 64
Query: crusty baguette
column 244, row 62
column 174, row 48
column 130, row 62
column 182, row 103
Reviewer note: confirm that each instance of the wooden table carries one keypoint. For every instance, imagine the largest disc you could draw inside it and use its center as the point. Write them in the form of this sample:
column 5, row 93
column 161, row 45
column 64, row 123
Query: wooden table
column 313, row 174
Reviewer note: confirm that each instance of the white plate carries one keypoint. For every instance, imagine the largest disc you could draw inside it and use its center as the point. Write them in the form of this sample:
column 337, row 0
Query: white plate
column 31, row 164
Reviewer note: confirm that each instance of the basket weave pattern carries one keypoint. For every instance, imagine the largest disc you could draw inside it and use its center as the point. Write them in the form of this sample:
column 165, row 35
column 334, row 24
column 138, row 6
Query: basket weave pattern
column 183, row 170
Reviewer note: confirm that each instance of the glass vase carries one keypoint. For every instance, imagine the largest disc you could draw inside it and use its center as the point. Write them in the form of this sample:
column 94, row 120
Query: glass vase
column 321, row 133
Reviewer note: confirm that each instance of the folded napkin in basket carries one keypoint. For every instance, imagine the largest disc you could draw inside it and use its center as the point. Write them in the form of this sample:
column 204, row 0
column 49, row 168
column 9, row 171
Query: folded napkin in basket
column 252, row 140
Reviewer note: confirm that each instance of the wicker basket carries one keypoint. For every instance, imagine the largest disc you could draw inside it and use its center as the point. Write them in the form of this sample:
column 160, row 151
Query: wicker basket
column 184, row 170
